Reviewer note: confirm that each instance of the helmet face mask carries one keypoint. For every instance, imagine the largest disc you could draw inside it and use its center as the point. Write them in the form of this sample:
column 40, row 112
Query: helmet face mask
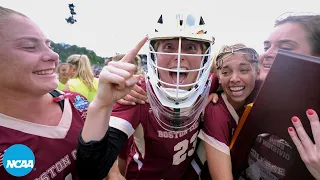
column 182, row 60
column 179, row 63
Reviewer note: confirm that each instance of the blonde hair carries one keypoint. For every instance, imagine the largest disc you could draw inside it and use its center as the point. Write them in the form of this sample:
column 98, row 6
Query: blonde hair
column 213, row 64
column 136, row 61
column 83, row 69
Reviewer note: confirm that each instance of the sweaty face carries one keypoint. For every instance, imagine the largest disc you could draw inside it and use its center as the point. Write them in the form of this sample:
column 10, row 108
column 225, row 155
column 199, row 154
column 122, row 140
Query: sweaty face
column 287, row 36
column 237, row 77
column 27, row 62
column 186, row 62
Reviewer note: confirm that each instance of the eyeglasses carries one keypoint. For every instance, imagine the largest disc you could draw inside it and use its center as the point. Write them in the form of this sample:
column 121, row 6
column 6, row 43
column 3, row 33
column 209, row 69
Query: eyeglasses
column 248, row 53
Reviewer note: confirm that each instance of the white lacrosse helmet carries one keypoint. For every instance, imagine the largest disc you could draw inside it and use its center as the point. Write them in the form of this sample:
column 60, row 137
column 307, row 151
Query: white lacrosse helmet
column 172, row 100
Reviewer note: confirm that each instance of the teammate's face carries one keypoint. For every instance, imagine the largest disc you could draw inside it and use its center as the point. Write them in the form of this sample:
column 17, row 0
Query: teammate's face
column 27, row 61
column 237, row 77
column 287, row 36
column 186, row 62
column 63, row 71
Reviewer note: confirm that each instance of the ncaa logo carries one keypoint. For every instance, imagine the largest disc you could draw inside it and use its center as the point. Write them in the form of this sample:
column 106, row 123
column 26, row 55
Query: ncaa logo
column 18, row 160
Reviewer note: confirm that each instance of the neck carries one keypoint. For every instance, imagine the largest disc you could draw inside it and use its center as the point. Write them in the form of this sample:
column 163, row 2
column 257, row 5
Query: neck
column 236, row 105
column 22, row 105
column 63, row 80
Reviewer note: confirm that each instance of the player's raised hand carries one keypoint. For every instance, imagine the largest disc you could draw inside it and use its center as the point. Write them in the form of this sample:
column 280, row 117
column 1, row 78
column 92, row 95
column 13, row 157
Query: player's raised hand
column 117, row 78
column 309, row 151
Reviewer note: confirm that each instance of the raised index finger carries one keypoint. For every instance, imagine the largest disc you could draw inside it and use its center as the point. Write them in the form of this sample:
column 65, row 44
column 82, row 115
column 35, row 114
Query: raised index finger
column 133, row 53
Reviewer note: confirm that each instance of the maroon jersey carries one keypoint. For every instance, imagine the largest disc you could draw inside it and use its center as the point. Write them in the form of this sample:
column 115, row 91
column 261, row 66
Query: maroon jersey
column 126, row 148
column 156, row 153
column 220, row 121
column 198, row 163
column 54, row 147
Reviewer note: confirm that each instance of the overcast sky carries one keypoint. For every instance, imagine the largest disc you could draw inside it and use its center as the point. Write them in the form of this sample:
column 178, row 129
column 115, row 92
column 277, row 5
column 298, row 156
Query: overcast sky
column 111, row 26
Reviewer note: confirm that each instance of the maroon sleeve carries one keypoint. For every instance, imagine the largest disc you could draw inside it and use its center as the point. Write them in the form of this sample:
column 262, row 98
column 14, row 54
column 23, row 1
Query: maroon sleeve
column 128, row 113
column 214, row 83
column 126, row 148
column 216, row 122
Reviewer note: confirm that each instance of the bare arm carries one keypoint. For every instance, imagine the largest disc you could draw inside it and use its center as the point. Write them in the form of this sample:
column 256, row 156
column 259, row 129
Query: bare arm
column 115, row 81
column 122, row 166
column 114, row 173
column 219, row 163
column 98, row 119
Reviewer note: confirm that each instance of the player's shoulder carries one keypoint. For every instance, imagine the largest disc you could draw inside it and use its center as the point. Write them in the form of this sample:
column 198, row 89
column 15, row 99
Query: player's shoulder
column 214, row 78
column 214, row 82
column 217, row 111
column 219, row 106
column 132, row 113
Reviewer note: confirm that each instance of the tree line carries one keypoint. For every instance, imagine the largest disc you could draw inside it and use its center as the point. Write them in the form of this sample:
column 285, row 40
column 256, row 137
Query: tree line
column 65, row 50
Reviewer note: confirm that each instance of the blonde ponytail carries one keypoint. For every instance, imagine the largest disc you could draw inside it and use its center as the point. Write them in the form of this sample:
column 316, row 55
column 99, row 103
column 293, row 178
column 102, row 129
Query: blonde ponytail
column 83, row 69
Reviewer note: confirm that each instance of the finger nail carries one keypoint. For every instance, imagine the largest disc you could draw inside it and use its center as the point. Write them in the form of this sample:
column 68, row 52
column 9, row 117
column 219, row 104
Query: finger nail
column 133, row 103
column 290, row 129
column 294, row 118
column 310, row 111
column 142, row 102
column 215, row 101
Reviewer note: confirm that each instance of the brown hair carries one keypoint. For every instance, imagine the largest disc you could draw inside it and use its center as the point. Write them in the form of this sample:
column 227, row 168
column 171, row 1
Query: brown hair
column 311, row 24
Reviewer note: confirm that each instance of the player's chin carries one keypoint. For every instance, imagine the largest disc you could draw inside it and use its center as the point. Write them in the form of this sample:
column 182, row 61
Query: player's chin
column 240, row 99
column 48, row 86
